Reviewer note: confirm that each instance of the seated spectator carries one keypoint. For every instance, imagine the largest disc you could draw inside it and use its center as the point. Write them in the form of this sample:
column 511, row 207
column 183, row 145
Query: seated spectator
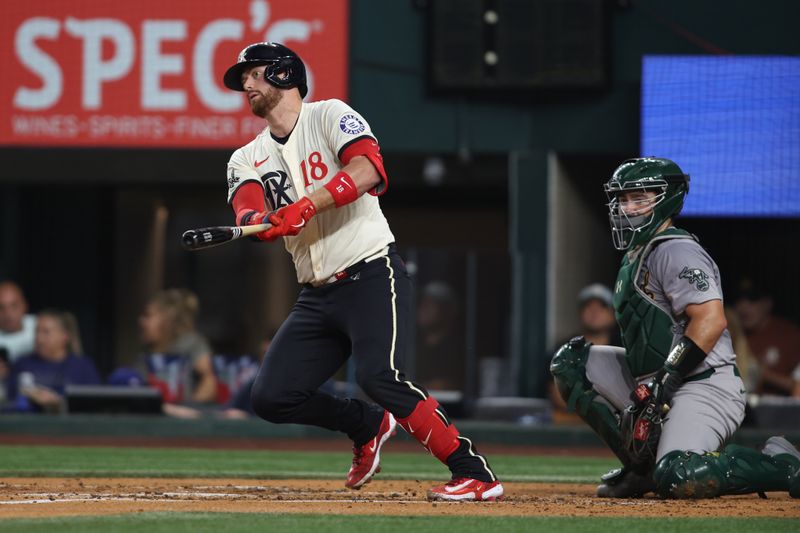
column 38, row 380
column 440, row 348
column 16, row 326
column 796, row 378
column 596, row 313
column 4, row 371
column 240, row 405
column 599, row 326
column 745, row 362
column 178, row 358
column 774, row 341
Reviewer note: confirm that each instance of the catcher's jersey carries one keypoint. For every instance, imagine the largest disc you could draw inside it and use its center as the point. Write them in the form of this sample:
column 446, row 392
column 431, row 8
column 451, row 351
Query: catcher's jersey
column 677, row 273
column 334, row 239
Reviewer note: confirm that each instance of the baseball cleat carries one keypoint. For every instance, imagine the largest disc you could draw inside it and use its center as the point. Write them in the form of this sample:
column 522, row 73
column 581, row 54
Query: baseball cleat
column 367, row 458
column 464, row 489
column 623, row 483
column 780, row 448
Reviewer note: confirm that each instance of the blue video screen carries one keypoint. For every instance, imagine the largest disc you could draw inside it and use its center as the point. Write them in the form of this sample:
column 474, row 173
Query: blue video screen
column 732, row 124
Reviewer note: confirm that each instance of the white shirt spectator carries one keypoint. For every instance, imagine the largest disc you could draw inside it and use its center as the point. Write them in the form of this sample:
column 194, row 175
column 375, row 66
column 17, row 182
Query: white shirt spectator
column 19, row 342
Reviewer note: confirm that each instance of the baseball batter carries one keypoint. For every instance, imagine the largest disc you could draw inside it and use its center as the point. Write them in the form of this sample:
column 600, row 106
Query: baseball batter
column 668, row 401
column 315, row 174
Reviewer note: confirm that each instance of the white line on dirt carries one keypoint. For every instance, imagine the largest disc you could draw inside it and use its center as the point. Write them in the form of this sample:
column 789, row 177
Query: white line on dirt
column 127, row 499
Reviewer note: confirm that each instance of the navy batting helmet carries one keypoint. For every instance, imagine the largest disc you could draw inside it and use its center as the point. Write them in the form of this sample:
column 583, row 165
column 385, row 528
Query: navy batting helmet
column 280, row 60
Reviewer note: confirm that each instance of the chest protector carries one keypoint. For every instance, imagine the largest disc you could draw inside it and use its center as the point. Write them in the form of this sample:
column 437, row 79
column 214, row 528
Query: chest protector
column 647, row 329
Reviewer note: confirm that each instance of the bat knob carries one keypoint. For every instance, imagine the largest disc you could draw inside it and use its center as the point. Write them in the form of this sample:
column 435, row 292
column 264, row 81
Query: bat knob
column 190, row 239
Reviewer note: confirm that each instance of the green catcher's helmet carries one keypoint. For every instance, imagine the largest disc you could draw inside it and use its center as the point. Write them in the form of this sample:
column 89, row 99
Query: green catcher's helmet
column 655, row 174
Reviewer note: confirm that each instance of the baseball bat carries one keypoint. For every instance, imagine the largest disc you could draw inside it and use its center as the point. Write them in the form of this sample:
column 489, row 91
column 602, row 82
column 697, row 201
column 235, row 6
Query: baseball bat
column 202, row 238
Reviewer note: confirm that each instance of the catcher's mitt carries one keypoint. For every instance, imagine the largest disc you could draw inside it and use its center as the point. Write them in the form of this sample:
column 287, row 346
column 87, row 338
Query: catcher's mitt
column 641, row 426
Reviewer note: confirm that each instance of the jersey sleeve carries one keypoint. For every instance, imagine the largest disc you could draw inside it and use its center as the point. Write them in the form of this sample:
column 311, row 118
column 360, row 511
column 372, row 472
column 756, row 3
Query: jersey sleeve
column 686, row 273
column 344, row 127
column 240, row 171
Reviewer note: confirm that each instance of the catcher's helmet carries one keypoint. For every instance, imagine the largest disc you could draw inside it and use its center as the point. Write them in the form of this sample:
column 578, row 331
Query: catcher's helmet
column 278, row 57
column 661, row 176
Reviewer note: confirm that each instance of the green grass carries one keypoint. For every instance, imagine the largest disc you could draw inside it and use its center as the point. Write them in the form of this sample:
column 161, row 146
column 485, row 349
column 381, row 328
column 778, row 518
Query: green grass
column 194, row 522
column 156, row 462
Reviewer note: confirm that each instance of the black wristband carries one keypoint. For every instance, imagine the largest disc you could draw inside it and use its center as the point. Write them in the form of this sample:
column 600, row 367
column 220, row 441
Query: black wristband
column 684, row 357
column 246, row 218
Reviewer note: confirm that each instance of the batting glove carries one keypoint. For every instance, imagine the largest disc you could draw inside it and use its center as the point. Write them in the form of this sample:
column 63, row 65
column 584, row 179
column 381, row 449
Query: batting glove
column 289, row 220
column 254, row 218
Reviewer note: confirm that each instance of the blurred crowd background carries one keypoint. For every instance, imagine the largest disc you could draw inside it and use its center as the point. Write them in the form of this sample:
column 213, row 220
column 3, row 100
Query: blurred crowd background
column 499, row 121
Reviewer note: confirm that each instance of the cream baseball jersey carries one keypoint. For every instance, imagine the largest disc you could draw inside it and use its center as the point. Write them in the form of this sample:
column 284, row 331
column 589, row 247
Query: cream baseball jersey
column 310, row 158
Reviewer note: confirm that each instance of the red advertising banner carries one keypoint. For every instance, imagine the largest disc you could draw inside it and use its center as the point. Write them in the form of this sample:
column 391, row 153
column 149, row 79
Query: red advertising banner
column 149, row 73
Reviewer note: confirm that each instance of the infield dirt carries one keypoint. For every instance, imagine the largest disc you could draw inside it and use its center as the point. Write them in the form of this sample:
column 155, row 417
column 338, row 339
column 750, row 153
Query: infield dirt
column 43, row 497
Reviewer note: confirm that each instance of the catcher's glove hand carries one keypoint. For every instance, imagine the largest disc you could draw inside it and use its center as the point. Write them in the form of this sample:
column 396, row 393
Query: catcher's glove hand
column 641, row 422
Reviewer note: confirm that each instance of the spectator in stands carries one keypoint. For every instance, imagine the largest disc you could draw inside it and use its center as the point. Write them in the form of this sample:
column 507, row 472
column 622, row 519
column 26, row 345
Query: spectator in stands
column 240, row 405
column 596, row 313
column 598, row 326
column 440, row 349
column 38, row 380
column 16, row 326
column 4, row 372
column 178, row 358
column 774, row 341
column 745, row 361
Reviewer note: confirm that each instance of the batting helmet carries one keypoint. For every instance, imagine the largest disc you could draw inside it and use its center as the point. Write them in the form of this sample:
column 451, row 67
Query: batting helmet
column 662, row 176
column 280, row 60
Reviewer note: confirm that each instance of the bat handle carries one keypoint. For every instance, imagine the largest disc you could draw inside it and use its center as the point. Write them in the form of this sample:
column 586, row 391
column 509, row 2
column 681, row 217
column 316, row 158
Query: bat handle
column 255, row 228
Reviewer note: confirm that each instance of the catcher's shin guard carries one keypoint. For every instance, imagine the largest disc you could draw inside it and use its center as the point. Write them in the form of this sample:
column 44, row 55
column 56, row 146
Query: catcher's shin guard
column 429, row 426
column 569, row 371
column 734, row 470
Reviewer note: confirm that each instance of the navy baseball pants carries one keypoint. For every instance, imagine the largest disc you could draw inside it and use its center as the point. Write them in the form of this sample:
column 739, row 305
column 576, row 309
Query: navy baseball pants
column 364, row 315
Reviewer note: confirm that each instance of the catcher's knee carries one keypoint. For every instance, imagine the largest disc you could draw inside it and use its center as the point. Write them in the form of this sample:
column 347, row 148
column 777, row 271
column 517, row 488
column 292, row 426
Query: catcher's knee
column 684, row 475
column 568, row 367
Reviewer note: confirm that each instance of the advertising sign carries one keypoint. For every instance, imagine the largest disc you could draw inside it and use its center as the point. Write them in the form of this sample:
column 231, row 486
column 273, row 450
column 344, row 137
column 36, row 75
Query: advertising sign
column 149, row 73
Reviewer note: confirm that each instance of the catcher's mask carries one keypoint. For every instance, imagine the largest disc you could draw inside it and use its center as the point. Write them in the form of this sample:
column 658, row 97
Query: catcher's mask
column 634, row 225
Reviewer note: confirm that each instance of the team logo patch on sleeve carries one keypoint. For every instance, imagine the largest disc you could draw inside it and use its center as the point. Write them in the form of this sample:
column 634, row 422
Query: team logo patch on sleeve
column 351, row 124
column 233, row 179
column 695, row 276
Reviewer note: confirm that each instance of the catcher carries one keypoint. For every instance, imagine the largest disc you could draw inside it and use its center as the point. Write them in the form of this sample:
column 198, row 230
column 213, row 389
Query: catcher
column 668, row 401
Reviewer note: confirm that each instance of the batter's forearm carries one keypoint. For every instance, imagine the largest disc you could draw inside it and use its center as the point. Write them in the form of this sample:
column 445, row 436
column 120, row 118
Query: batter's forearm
column 362, row 175
column 322, row 199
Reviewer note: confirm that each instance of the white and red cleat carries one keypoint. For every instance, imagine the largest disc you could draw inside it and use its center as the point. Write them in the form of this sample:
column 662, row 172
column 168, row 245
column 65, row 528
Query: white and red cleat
column 367, row 458
column 465, row 489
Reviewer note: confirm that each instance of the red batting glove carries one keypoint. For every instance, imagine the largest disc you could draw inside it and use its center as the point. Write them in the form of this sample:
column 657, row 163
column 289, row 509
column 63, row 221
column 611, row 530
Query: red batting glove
column 289, row 220
column 254, row 218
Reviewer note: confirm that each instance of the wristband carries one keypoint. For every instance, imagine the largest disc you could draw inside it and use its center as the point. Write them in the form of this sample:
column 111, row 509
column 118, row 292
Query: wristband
column 684, row 357
column 244, row 220
column 343, row 189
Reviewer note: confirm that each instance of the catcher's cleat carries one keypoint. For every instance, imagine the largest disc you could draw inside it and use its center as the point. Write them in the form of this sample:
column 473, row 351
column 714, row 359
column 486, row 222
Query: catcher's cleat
column 367, row 458
column 778, row 446
column 467, row 490
column 623, row 483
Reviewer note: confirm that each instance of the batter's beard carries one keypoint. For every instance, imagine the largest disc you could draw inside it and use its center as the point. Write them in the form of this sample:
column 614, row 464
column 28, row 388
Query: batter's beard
column 262, row 105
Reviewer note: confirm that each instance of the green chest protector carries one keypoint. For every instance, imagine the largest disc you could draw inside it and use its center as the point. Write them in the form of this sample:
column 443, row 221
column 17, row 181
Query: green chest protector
column 647, row 329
